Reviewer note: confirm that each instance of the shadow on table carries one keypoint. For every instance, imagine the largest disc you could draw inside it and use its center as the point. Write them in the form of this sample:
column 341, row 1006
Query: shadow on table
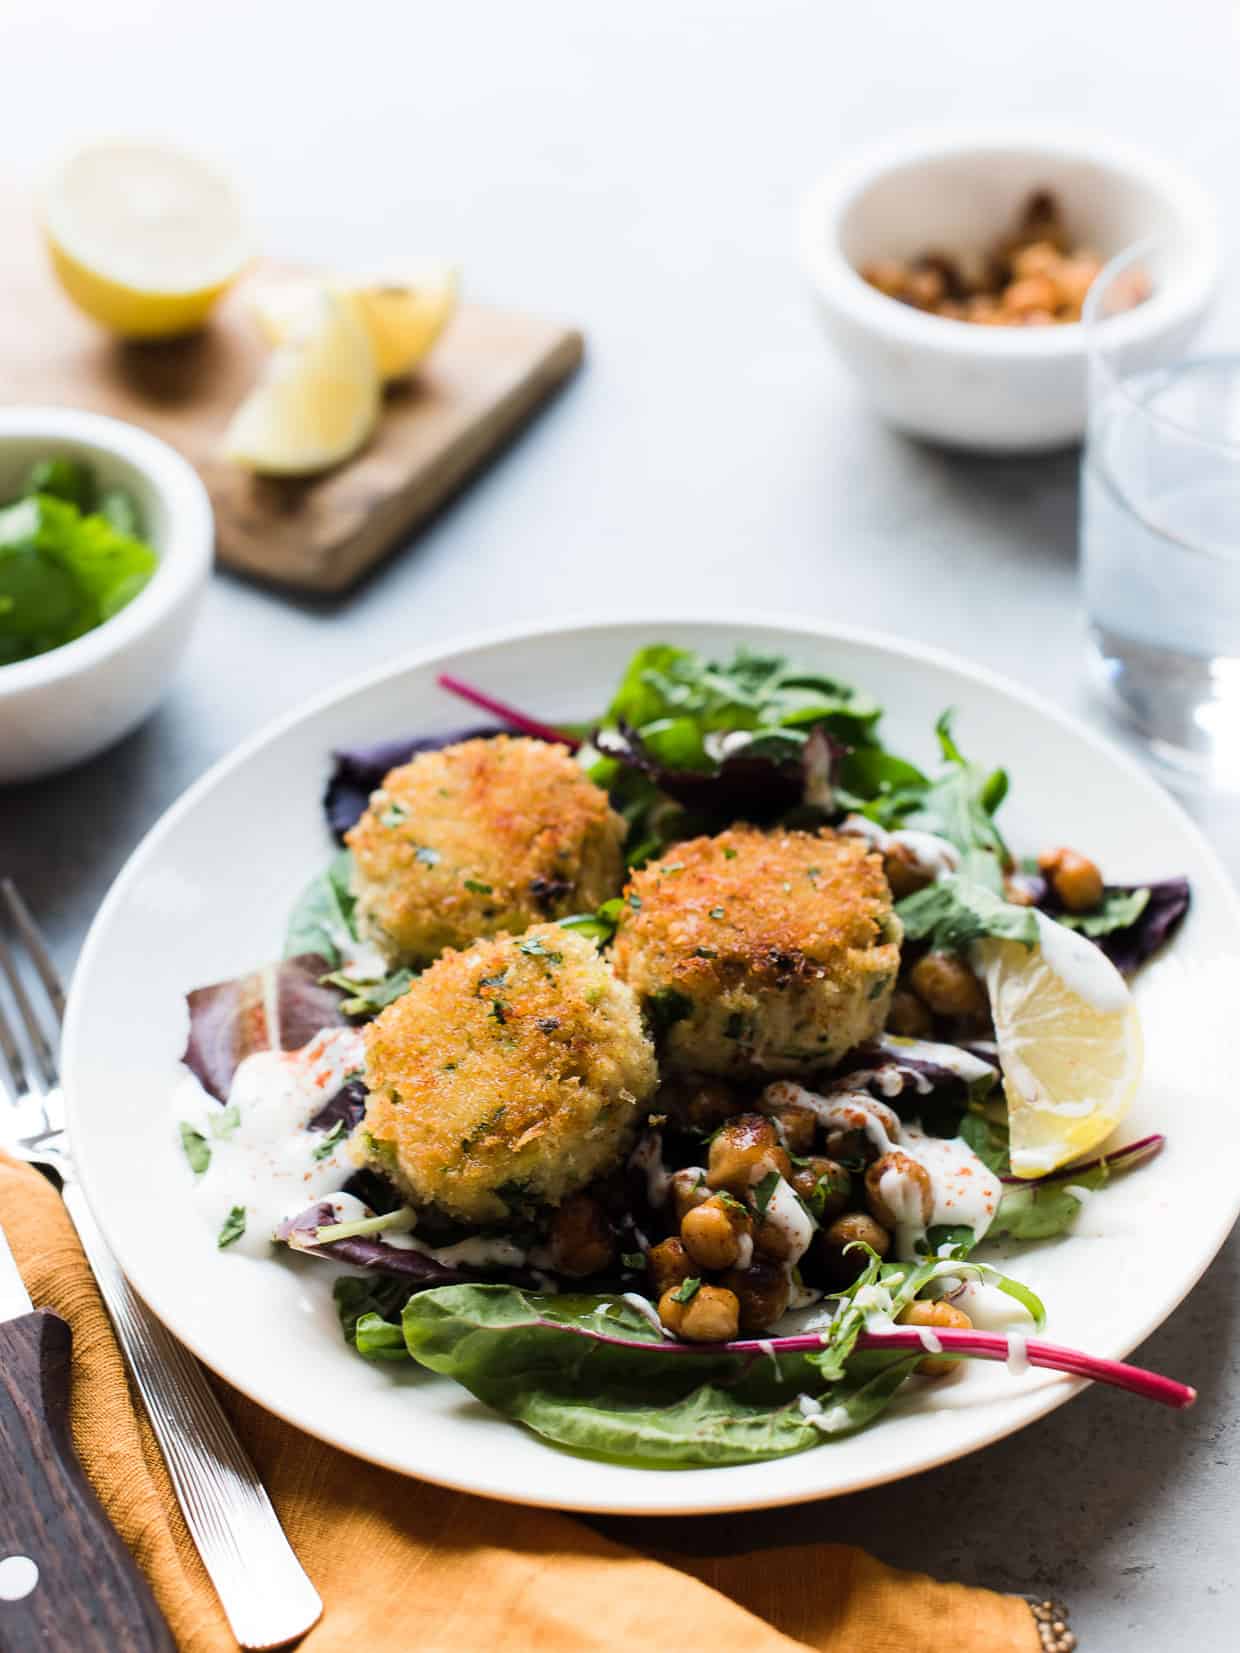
column 1040, row 1510
column 1029, row 502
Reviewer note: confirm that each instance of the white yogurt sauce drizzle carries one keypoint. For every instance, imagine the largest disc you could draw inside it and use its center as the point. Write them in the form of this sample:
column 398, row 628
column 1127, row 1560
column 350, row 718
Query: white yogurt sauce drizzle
column 268, row 1163
column 1018, row 1354
column 786, row 1214
column 933, row 857
column 966, row 1192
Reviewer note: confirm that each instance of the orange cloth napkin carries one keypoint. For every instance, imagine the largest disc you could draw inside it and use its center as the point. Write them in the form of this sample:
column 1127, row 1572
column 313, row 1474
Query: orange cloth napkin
column 400, row 1564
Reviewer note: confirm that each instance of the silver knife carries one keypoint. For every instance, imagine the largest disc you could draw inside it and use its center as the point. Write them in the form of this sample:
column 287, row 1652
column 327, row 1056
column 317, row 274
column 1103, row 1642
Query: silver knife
column 67, row 1580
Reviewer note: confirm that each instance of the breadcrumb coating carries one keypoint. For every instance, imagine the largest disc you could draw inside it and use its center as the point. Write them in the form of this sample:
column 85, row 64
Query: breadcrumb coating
column 760, row 952
column 482, row 837
column 516, row 1071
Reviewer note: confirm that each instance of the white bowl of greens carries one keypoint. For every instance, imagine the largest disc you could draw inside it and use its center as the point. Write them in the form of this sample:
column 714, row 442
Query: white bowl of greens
column 188, row 911
column 106, row 538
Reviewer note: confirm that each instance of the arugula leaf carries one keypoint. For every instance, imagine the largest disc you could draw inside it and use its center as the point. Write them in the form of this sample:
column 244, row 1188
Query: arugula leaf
column 1118, row 909
column 959, row 805
column 233, row 1227
column 196, row 1148
column 959, row 1236
column 956, row 911
column 322, row 919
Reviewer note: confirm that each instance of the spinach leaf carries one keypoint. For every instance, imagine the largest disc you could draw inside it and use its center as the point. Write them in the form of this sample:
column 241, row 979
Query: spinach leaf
column 957, row 911
column 366, row 1305
column 590, row 1374
column 988, row 1140
column 1119, row 909
column 322, row 919
column 1045, row 1209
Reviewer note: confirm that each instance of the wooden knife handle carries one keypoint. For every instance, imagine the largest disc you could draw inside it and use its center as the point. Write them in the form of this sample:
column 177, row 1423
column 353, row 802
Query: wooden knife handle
column 88, row 1595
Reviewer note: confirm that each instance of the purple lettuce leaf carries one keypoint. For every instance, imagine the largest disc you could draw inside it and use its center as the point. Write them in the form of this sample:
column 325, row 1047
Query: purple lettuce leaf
column 741, row 786
column 1164, row 912
column 378, row 1257
column 358, row 770
column 278, row 1007
column 345, row 1108
column 1128, row 946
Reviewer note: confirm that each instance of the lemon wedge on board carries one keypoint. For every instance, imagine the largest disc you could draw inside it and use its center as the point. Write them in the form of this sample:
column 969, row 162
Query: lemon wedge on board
column 143, row 237
column 404, row 311
column 318, row 399
column 1069, row 1042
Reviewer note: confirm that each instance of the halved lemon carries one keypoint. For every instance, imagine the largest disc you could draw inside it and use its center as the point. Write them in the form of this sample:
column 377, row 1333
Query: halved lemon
column 404, row 311
column 318, row 399
column 1069, row 1044
column 144, row 238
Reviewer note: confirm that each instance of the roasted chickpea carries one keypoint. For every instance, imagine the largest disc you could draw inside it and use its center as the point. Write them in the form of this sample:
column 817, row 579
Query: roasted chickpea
column 907, row 1197
column 795, row 1127
column 669, row 1265
column 744, row 1151
column 711, row 1315
column 823, row 1185
column 844, row 1266
column 698, row 1103
column 762, row 1291
column 715, row 1232
column 1074, row 878
column 904, row 872
column 908, row 1018
column 947, row 986
column 581, row 1238
column 1020, row 890
column 689, row 1188
column 942, row 1316
column 1031, row 294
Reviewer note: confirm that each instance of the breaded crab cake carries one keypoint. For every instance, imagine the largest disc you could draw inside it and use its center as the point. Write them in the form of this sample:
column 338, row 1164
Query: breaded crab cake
column 516, row 1071
column 767, row 952
column 481, row 837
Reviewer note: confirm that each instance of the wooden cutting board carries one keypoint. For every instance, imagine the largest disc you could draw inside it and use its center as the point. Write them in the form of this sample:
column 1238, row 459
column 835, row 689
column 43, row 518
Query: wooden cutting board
column 488, row 375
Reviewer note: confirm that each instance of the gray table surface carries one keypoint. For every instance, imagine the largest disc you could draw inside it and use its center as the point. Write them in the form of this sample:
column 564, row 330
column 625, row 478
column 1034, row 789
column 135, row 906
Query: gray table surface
column 637, row 170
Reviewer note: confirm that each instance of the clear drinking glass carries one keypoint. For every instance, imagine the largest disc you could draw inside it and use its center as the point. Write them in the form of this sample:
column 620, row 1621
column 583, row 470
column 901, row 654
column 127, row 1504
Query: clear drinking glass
column 1160, row 535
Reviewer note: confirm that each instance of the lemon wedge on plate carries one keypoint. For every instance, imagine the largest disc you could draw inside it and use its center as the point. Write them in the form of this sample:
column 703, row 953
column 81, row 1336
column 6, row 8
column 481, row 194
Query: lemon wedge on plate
column 404, row 311
column 318, row 399
column 1069, row 1044
column 144, row 238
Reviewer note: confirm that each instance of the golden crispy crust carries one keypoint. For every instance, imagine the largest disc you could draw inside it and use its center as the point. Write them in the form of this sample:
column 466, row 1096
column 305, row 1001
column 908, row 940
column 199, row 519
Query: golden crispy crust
column 485, row 836
column 778, row 949
column 768, row 904
column 520, row 1061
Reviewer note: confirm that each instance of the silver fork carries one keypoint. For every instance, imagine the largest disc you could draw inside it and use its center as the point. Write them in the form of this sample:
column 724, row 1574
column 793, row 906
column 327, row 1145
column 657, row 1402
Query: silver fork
column 263, row 1590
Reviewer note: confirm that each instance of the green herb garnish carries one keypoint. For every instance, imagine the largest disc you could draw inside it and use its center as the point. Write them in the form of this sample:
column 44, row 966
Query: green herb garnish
column 196, row 1148
column 233, row 1227
column 687, row 1290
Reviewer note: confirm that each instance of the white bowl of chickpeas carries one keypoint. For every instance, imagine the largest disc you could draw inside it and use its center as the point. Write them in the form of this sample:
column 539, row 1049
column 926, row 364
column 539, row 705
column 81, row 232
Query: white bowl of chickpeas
column 950, row 268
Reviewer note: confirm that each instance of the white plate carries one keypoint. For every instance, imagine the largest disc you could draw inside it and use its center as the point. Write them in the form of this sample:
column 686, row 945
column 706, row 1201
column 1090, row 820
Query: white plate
column 205, row 897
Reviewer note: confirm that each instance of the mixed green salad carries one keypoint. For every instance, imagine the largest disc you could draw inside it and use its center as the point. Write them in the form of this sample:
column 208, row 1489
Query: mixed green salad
column 595, row 1360
column 72, row 555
